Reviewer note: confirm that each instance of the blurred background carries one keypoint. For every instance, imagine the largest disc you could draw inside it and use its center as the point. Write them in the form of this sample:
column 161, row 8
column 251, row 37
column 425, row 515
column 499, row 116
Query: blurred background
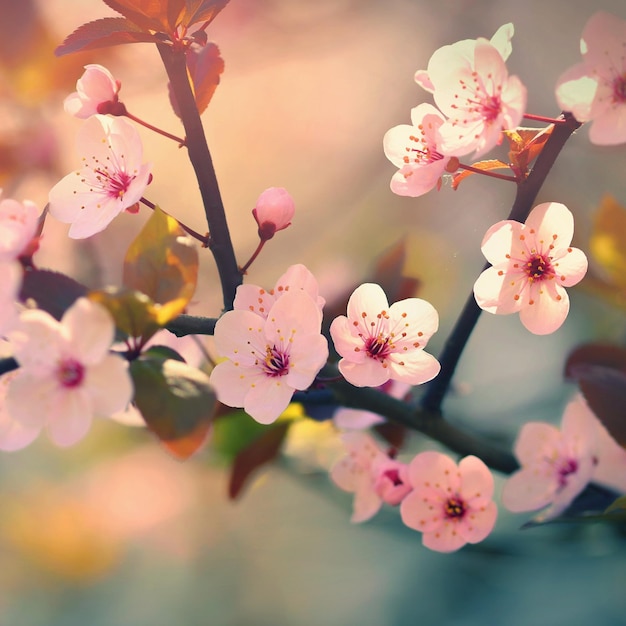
column 115, row 532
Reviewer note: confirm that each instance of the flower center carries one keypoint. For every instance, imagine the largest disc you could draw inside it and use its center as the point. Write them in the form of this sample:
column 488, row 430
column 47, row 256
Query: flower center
column 393, row 476
column 276, row 362
column 424, row 153
column 619, row 89
column 378, row 347
column 454, row 508
column 569, row 466
column 70, row 373
column 538, row 267
column 114, row 184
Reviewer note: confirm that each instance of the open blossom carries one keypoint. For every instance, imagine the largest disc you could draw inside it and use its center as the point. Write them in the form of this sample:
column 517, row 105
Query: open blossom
column 556, row 464
column 450, row 505
column 94, row 90
column 379, row 342
column 595, row 90
column 532, row 263
column 66, row 374
column 18, row 226
column 268, row 359
column 371, row 475
column 471, row 85
column 274, row 211
column 258, row 300
column 413, row 149
column 111, row 178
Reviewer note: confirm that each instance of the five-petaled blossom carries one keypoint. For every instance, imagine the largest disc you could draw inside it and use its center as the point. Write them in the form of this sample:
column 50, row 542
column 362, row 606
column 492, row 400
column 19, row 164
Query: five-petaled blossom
column 531, row 265
column 471, row 85
column 274, row 211
column 556, row 464
column 595, row 90
column 451, row 505
column 379, row 342
column 67, row 374
column 371, row 474
column 268, row 359
column 96, row 90
column 18, row 226
column 413, row 149
column 111, row 179
column 258, row 300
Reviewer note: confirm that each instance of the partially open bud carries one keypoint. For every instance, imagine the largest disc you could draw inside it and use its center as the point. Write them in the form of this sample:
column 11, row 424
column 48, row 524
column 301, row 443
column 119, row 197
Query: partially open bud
column 273, row 212
column 96, row 90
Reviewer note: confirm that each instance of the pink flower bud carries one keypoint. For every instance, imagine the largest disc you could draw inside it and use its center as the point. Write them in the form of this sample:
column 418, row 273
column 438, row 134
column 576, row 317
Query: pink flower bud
column 274, row 211
column 96, row 92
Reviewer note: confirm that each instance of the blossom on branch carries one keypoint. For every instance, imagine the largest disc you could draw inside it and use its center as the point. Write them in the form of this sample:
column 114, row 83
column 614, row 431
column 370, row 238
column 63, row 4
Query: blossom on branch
column 111, row 179
column 96, row 91
column 18, row 226
column 10, row 284
column 267, row 359
column 451, row 505
column 531, row 265
column 371, row 475
column 413, row 149
column 258, row 300
column 274, row 211
column 66, row 374
column 379, row 342
column 595, row 90
column 556, row 464
column 471, row 85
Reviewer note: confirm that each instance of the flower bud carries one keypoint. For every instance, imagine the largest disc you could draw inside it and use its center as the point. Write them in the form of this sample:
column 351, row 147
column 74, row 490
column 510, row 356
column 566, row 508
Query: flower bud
column 94, row 88
column 274, row 210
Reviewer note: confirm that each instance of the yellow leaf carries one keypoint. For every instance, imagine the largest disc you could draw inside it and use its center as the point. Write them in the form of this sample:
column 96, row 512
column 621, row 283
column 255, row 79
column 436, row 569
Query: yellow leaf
column 162, row 262
column 608, row 240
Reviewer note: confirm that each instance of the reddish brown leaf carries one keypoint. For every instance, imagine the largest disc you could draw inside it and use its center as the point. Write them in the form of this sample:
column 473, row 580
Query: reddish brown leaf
column 150, row 15
column 394, row 434
column 53, row 292
column 604, row 389
column 525, row 144
column 491, row 164
column 260, row 452
column 606, row 355
column 205, row 66
column 108, row 31
column 198, row 11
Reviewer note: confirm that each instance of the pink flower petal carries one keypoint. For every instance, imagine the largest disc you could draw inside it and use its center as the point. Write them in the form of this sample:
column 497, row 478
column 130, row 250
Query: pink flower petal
column 434, row 470
column 445, row 539
column 368, row 373
column 72, row 420
column 536, row 440
column 548, row 312
column 476, row 481
column 552, row 223
column 527, row 491
column 420, row 513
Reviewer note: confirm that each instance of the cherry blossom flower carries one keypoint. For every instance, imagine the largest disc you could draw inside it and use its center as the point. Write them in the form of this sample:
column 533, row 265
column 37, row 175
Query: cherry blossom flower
column 18, row 226
column 110, row 180
column 66, row 374
column 532, row 263
column 472, row 87
column 556, row 465
column 450, row 505
column 274, row 211
column 595, row 90
column 258, row 300
column 95, row 89
column 371, row 475
column 268, row 359
column 348, row 419
column 413, row 149
column 379, row 342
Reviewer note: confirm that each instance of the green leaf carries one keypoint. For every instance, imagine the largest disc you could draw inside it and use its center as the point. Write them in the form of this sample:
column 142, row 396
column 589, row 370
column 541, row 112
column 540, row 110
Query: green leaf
column 232, row 432
column 162, row 262
column 176, row 401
